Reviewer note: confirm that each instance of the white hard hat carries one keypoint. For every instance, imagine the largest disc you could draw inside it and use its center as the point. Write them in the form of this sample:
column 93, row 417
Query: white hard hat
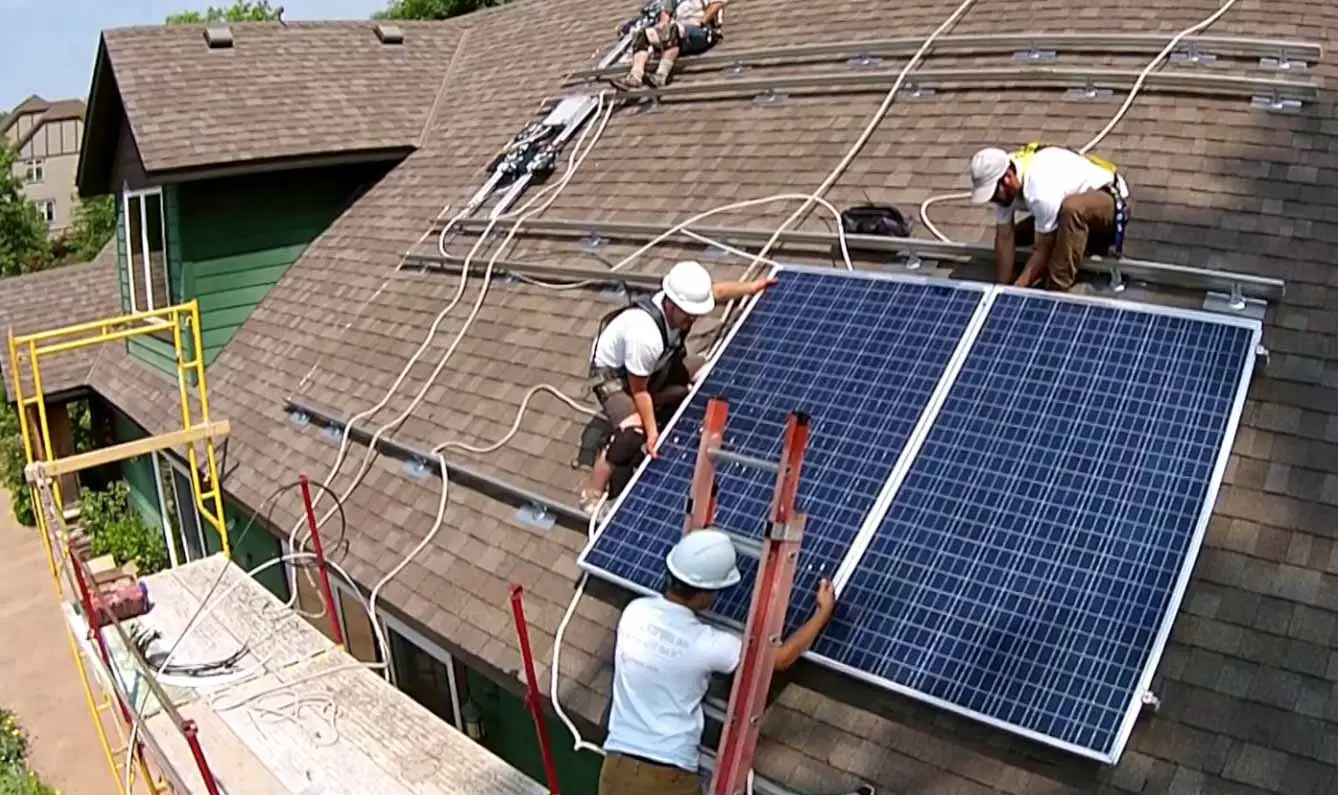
column 688, row 285
column 704, row 559
column 987, row 167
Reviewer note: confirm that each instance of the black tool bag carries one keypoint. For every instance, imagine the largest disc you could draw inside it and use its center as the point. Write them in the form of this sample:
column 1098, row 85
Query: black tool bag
column 882, row 220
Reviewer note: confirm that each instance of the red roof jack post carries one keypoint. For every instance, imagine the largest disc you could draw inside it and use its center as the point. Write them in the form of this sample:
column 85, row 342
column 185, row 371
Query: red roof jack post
column 771, row 589
column 532, row 698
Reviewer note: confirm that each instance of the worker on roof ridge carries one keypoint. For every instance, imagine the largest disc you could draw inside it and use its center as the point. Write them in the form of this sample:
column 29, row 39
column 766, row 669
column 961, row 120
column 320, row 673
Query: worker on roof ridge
column 640, row 367
column 684, row 27
column 1078, row 206
column 663, row 659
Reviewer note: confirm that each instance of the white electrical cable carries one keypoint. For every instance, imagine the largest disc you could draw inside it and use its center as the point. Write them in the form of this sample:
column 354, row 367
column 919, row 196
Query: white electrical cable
column 1110, row 125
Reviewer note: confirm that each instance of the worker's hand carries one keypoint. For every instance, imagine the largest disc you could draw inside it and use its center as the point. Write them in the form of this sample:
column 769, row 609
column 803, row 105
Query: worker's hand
column 758, row 285
column 652, row 441
column 826, row 597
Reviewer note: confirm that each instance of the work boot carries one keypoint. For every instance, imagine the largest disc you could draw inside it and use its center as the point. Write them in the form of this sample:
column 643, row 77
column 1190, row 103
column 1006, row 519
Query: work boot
column 628, row 82
column 657, row 81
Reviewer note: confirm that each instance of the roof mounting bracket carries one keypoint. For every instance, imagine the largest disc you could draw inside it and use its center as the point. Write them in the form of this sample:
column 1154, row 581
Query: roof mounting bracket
column 416, row 468
column 536, row 515
column 1282, row 63
column 1192, row 55
column 1235, row 303
column 389, row 34
column 716, row 251
column 1036, row 56
column 299, row 418
column 1261, row 358
column 770, row 97
column 592, row 240
column 1151, row 703
column 915, row 91
column 736, row 68
column 218, row 37
column 332, row 433
column 865, row 60
column 1275, row 103
column 1090, row 92
column 911, row 261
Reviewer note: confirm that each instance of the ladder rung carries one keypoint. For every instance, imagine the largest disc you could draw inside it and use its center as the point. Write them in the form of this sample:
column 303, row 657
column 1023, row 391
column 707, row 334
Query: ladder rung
column 190, row 365
column 751, row 462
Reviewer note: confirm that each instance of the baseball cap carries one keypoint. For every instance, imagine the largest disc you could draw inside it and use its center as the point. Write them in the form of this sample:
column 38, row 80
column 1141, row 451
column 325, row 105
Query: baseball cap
column 986, row 168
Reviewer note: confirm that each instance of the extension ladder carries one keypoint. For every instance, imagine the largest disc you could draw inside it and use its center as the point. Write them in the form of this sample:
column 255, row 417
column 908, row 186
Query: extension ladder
column 778, row 560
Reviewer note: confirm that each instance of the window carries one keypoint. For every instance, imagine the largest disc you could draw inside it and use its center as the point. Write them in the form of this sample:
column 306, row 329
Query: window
column 146, row 250
column 34, row 172
column 48, row 211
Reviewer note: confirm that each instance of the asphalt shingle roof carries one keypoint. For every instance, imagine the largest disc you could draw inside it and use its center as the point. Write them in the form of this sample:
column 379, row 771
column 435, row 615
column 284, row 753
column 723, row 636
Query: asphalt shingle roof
column 1249, row 680
column 281, row 90
column 60, row 297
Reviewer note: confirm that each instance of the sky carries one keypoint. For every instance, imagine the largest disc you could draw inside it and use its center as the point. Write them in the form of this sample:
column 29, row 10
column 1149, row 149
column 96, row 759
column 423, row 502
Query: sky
column 47, row 46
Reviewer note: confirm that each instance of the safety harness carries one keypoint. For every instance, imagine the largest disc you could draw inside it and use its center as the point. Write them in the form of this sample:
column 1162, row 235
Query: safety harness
column 1023, row 158
column 607, row 376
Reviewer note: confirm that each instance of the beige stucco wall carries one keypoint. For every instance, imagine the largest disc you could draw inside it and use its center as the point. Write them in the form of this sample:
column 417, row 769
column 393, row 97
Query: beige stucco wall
column 56, row 144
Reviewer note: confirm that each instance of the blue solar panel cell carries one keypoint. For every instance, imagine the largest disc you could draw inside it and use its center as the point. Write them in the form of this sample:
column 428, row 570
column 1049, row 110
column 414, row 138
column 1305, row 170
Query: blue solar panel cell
column 862, row 355
column 1036, row 546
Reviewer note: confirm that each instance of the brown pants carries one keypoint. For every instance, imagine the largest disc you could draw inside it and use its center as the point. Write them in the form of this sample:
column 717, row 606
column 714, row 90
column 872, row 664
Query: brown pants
column 622, row 775
column 1086, row 228
column 669, row 389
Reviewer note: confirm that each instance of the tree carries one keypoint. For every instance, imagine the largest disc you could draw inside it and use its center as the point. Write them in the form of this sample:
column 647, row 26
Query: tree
column 23, row 243
column 432, row 9
column 239, row 11
column 94, row 224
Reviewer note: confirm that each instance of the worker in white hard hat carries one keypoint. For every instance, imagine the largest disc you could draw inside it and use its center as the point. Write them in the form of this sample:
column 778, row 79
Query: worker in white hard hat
column 662, row 664
column 1077, row 206
column 640, row 367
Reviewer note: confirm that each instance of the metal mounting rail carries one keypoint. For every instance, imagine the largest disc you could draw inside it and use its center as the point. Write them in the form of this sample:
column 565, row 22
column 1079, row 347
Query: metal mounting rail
column 1162, row 273
column 505, row 490
column 1091, row 80
column 869, row 50
column 538, row 270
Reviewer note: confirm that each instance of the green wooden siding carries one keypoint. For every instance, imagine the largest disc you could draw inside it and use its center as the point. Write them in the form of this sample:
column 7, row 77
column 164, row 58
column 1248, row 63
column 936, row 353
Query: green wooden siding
column 239, row 235
column 253, row 548
column 138, row 474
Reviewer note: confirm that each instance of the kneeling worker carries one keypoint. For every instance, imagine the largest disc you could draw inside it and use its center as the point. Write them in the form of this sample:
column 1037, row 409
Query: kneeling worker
column 640, row 366
column 662, row 664
column 1079, row 206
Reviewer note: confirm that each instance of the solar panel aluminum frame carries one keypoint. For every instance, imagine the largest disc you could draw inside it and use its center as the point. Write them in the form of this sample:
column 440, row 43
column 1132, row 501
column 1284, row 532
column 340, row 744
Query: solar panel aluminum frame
column 902, row 467
column 977, row 321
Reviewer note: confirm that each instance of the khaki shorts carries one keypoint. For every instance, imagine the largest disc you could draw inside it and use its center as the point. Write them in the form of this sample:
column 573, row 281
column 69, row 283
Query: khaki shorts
column 615, row 400
column 624, row 775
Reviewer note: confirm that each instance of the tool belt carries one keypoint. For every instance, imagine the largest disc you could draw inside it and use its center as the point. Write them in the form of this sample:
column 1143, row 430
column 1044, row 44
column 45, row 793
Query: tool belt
column 605, row 381
column 1119, row 191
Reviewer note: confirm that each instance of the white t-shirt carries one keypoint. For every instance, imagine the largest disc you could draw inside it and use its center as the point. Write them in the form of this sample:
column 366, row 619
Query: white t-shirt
column 1053, row 175
column 693, row 12
column 632, row 340
column 662, row 665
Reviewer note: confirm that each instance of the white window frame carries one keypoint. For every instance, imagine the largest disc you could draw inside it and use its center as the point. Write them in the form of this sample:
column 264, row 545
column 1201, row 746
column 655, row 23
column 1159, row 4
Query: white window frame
column 342, row 589
column 47, row 207
column 190, row 501
column 34, row 172
column 146, row 267
column 162, row 510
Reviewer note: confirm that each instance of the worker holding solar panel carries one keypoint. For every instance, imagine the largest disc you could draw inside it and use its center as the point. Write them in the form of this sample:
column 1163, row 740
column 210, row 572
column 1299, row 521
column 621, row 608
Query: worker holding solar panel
column 663, row 660
column 640, row 369
column 1078, row 206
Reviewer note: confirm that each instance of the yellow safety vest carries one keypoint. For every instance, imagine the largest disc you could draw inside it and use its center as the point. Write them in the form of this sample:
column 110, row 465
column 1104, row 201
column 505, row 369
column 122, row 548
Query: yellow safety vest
column 1024, row 155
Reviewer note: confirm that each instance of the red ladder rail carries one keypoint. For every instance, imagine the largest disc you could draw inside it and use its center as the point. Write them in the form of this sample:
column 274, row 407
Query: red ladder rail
column 762, row 635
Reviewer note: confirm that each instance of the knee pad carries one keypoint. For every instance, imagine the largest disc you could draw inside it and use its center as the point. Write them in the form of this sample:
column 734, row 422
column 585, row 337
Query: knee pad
column 625, row 447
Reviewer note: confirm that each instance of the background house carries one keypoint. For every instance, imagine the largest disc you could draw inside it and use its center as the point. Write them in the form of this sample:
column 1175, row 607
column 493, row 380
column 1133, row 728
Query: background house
column 282, row 179
column 46, row 137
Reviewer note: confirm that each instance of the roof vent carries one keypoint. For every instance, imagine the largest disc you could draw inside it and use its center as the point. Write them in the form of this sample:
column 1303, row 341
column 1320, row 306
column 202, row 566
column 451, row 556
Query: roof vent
column 218, row 37
column 389, row 34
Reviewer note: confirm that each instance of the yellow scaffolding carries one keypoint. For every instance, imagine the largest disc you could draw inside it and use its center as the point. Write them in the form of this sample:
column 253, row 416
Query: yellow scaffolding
column 183, row 323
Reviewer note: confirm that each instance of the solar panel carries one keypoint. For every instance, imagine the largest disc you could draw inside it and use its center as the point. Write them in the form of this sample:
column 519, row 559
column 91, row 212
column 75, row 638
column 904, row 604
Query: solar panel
column 862, row 354
column 1031, row 562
